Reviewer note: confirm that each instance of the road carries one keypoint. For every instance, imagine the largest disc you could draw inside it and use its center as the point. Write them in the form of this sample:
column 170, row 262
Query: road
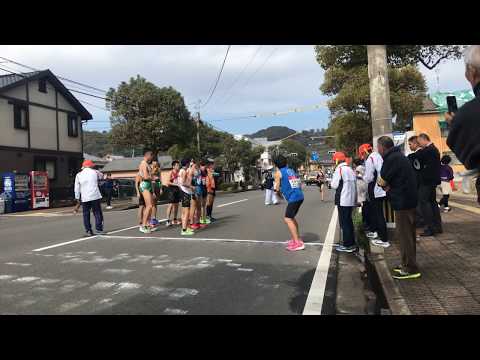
column 238, row 265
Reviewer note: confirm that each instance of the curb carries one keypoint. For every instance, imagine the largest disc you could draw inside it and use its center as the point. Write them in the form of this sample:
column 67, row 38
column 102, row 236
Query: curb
column 383, row 283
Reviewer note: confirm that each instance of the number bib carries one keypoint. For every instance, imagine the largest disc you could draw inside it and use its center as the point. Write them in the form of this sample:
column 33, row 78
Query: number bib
column 294, row 182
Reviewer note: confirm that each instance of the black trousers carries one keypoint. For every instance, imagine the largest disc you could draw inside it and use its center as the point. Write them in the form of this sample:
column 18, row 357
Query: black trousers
column 378, row 218
column 108, row 194
column 346, row 224
column 427, row 197
column 97, row 212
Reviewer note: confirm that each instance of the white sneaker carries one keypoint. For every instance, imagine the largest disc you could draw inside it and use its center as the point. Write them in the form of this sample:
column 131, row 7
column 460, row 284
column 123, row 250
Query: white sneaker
column 372, row 235
column 447, row 209
column 109, row 207
column 381, row 243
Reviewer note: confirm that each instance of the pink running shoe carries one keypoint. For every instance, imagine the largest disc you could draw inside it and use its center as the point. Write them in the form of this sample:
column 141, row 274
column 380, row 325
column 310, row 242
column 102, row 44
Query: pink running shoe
column 290, row 244
column 296, row 246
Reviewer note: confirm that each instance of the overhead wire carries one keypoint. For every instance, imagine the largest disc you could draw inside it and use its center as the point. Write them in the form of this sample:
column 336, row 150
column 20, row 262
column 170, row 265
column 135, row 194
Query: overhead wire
column 217, row 80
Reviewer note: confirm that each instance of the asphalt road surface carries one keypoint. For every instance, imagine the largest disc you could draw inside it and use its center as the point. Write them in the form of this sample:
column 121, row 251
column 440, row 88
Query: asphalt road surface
column 237, row 265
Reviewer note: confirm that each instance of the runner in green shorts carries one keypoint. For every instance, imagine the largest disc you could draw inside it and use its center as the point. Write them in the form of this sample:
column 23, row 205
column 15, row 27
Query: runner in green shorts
column 145, row 172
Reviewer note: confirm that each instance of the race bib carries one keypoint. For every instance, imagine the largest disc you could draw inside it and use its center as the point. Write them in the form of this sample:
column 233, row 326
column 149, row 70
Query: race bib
column 294, row 182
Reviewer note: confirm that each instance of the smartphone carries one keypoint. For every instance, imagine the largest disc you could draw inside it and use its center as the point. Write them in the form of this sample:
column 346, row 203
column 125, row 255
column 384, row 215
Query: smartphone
column 452, row 104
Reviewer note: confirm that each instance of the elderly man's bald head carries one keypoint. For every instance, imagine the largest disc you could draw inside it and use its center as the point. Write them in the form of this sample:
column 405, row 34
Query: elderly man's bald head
column 472, row 64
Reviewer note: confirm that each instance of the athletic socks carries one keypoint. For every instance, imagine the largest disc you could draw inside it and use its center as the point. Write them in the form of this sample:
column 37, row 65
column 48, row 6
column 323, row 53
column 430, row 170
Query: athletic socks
column 209, row 210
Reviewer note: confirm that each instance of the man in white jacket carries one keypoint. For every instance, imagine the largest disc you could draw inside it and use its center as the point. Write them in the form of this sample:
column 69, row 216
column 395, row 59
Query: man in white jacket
column 344, row 182
column 86, row 190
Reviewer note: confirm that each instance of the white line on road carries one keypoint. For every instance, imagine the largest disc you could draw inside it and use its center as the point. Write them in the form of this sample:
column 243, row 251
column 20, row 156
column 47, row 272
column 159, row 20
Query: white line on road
column 314, row 303
column 234, row 202
column 207, row 239
column 65, row 243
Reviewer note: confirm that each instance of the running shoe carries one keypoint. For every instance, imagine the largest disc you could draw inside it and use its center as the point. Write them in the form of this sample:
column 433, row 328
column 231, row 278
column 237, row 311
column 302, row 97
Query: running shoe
column 109, row 207
column 403, row 275
column 447, row 209
column 203, row 226
column 89, row 233
column 212, row 219
column 378, row 242
column 347, row 249
column 154, row 222
column 168, row 223
column 100, row 232
column 296, row 246
column 372, row 235
column 290, row 243
column 187, row 232
column 195, row 226
column 207, row 221
column 397, row 269
column 145, row 229
column 176, row 222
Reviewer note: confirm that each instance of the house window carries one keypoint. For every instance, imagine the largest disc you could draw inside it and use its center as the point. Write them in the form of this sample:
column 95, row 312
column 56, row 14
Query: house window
column 42, row 86
column 72, row 125
column 20, row 116
column 48, row 165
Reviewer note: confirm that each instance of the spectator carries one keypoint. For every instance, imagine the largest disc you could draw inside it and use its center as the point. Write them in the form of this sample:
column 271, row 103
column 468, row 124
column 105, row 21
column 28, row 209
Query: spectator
column 429, row 159
column 345, row 183
column 398, row 179
column 86, row 189
column 269, row 193
column 108, row 188
column 446, row 177
column 376, row 197
column 362, row 189
column 464, row 130
column 415, row 146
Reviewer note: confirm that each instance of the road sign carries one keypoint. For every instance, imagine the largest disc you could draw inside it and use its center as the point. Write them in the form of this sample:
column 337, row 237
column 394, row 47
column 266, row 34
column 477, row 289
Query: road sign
column 314, row 156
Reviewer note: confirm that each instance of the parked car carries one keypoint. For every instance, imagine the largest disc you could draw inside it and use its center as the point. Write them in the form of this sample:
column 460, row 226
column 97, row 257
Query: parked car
column 311, row 179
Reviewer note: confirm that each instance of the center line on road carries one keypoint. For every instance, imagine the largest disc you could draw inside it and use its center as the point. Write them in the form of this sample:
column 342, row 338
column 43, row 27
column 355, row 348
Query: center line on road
column 314, row 303
column 230, row 203
column 207, row 239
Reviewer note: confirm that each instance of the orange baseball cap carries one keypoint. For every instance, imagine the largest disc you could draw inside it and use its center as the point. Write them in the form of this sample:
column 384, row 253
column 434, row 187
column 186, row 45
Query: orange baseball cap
column 364, row 149
column 339, row 156
column 88, row 164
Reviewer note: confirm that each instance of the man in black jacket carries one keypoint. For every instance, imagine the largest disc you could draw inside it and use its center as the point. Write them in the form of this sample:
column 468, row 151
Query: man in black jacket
column 398, row 179
column 429, row 158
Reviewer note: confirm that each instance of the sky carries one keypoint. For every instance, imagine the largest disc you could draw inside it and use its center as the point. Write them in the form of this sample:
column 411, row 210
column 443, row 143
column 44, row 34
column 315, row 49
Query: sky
column 256, row 79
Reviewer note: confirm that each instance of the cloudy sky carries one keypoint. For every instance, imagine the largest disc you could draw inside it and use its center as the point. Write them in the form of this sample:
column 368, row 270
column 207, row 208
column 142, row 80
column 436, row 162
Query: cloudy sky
column 256, row 79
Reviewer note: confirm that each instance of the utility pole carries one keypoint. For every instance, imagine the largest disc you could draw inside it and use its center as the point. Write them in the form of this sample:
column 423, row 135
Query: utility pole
column 381, row 110
column 197, row 120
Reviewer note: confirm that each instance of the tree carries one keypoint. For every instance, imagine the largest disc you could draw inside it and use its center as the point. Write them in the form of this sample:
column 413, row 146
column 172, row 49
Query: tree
column 346, row 80
column 144, row 114
column 295, row 152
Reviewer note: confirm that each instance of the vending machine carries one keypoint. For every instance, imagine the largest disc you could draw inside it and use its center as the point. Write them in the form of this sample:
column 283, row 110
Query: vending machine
column 16, row 192
column 40, row 190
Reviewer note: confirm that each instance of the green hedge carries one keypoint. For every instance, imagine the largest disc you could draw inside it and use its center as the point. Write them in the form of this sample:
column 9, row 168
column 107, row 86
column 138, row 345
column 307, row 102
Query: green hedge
column 362, row 239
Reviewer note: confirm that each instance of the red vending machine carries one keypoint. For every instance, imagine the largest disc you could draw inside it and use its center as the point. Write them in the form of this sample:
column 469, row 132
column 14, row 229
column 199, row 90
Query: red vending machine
column 40, row 191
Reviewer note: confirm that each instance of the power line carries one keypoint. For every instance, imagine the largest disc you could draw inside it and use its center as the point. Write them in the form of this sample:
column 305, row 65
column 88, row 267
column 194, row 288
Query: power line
column 218, row 78
column 243, row 70
column 60, row 77
column 258, row 69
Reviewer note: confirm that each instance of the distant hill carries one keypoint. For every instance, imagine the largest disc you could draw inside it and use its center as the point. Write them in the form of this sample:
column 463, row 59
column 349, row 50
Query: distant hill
column 273, row 133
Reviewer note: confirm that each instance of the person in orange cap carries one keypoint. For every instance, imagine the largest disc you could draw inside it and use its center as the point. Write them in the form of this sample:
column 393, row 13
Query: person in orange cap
column 87, row 191
column 344, row 182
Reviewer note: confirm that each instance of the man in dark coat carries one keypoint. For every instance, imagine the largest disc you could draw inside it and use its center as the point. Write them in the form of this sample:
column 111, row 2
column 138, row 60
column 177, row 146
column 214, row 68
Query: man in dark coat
column 398, row 179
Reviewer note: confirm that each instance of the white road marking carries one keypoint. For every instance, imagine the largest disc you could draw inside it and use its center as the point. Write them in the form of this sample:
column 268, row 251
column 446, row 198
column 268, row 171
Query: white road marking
column 314, row 303
column 65, row 243
column 175, row 311
column 208, row 239
column 231, row 203
column 17, row 264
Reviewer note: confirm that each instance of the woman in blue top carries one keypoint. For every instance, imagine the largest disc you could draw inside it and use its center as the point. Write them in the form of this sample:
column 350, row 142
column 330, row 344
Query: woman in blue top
column 288, row 182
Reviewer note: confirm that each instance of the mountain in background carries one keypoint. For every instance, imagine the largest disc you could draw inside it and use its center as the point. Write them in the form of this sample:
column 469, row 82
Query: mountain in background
column 272, row 133
column 99, row 144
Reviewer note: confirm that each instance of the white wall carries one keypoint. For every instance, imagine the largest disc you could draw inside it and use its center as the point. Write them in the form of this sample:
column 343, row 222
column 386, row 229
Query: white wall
column 18, row 92
column 39, row 97
column 64, row 104
column 43, row 128
column 68, row 143
column 9, row 136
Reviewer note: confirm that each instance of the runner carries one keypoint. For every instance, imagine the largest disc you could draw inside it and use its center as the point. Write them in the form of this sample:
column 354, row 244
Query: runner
column 173, row 195
column 157, row 191
column 321, row 182
column 185, row 183
column 146, row 189
column 141, row 200
column 195, row 208
column 211, row 189
column 289, row 184
column 204, row 192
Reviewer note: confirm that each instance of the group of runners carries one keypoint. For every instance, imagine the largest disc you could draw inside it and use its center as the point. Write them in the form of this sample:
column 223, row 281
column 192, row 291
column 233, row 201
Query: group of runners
column 191, row 183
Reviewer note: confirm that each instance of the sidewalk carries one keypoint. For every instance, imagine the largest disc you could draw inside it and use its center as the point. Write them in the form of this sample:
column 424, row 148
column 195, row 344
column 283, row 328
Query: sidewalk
column 450, row 266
